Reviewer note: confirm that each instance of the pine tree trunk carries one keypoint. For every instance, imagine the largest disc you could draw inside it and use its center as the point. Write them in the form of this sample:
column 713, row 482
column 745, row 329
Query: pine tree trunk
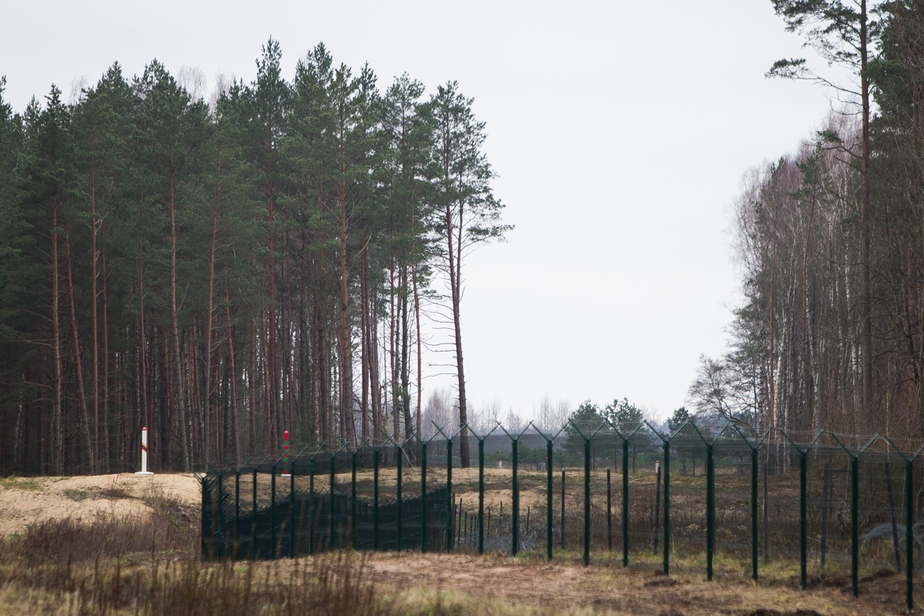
column 455, row 284
column 58, row 453
column 252, row 386
column 866, row 284
column 94, row 316
column 364, row 337
column 346, row 362
column 405, row 402
column 179, row 390
column 392, row 378
column 144, row 366
column 81, row 393
column 235, row 412
column 209, row 310
column 270, row 359
column 419, row 360
column 107, row 445
column 320, row 390
column 374, row 391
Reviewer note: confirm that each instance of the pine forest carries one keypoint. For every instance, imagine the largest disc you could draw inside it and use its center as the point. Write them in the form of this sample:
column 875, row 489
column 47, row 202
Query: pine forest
column 272, row 258
column 221, row 270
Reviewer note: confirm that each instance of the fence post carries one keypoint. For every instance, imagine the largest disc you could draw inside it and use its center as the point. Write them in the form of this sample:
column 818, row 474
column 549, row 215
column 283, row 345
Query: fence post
column 710, row 495
column 293, row 535
column 548, row 498
column 854, row 512
column 909, row 522
column 292, row 510
column 481, row 440
column 909, row 532
column 667, row 505
column 625, row 490
column 273, row 512
column 609, row 512
column 803, row 499
column 375, row 500
column 515, row 501
column 515, row 493
column 586, row 502
column 587, row 486
column 854, row 524
column 803, row 519
column 253, row 518
column 563, row 508
column 625, row 501
column 311, row 518
column 666, row 442
column 332, row 509
column 548, row 489
column 710, row 507
column 423, row 496
column 353, row 464
column 481, row 496
column 754, row 447
column 399, row 452
column 206, row 519
column 237, row 511
column 451, row 500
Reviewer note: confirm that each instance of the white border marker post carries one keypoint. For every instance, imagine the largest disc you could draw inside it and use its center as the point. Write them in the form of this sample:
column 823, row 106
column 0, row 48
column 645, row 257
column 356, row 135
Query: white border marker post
column 144, row 453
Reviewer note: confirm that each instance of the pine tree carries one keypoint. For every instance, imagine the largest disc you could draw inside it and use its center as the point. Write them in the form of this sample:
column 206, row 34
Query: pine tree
column 172, row 130
column 407, row 201
column 466, row 211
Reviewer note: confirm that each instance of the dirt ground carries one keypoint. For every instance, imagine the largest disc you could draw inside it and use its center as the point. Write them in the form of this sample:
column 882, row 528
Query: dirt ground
column 25, row 501
column 640, row 589
column 563, row 584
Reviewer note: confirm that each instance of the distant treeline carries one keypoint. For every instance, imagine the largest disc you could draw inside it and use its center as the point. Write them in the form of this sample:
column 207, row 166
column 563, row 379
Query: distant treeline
column 221, row 271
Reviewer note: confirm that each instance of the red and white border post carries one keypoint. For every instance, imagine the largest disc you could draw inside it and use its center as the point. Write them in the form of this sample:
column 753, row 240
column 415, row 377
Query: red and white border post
column 285, row 454
column 144, row 453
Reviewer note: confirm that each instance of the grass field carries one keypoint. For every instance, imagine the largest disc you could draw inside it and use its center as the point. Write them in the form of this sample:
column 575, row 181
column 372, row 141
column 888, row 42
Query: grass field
column 143, row 559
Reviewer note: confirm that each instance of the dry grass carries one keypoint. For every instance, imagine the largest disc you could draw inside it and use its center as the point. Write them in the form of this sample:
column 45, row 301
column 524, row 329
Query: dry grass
column 116, row 563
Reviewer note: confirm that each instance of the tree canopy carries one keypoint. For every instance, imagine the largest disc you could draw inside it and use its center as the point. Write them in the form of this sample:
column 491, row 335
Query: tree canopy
column 221, row 271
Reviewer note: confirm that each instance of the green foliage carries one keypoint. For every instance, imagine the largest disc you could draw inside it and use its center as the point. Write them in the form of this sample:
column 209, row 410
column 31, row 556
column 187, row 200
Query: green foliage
column 678, row 419
column 624, row 415
column 583, row 422
column 305, row 212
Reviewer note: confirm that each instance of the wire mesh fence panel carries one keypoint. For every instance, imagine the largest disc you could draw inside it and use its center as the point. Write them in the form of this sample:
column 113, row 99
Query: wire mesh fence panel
column 840, row 508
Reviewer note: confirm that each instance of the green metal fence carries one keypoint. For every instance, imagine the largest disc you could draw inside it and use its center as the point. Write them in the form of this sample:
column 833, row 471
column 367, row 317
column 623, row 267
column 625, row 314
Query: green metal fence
column 833, row 503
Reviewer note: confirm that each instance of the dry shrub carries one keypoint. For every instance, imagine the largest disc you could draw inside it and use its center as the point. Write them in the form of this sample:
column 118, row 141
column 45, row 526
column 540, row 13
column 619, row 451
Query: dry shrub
column 335, row 583
column 168, row 528
column 149, row 564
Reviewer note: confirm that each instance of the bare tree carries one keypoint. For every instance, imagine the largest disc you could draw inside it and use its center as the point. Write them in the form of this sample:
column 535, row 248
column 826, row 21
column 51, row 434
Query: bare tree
column 438, row 412
column 514, row 423
column 715, row 391
column 551, row 416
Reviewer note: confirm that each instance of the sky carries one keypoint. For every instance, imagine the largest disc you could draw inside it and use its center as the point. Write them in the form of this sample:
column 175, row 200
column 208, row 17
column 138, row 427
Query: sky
column 620, row 133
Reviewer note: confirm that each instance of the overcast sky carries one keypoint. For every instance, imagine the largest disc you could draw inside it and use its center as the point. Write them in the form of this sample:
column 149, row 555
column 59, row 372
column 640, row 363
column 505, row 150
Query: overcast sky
column 620, row 132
